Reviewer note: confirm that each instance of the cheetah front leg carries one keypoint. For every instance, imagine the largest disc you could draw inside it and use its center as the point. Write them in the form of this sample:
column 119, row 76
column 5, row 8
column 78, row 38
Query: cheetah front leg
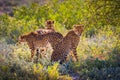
column 32, row 53
column 75, row 54
column 32, row 48
column 38, row 54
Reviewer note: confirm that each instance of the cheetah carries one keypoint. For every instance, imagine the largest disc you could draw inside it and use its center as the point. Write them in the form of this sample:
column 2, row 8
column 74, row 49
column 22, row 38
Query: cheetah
column 36, row 41
column 49, row 27
column 67, row 45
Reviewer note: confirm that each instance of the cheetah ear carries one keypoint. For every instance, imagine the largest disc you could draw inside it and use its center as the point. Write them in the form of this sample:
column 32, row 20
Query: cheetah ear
column 22, row 36
column 53, row 22
column 47, row 21
column 34, row 33
column 74, row 26
column 82, row 26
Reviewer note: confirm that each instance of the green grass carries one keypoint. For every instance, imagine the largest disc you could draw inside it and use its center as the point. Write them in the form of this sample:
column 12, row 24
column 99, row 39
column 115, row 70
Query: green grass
column 97, row 55
column 15, row 65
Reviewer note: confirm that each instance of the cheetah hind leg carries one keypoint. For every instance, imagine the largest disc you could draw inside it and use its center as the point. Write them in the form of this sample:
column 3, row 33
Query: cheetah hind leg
column 32, row 54
column 43, row 52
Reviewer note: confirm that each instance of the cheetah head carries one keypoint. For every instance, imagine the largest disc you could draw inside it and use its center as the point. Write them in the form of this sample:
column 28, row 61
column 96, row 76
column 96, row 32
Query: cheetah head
column 49, row 24
column 78, row 29
column 22, row 38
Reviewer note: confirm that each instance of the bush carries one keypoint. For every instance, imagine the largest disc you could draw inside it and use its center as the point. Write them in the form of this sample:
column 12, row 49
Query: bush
column 32, row 17
column 14, row 60
column 104, row 74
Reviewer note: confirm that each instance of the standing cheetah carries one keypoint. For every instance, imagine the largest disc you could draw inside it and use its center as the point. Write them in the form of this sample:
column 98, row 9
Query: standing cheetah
column 67, row 45
column 36, row 40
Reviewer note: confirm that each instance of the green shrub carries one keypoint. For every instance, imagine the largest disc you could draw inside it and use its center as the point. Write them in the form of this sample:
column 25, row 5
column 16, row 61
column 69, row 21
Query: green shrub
column 32, row 17
column 15, row 64
column 104, row 74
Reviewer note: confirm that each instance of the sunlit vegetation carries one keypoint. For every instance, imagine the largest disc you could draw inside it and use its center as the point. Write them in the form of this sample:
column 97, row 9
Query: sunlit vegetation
column 98, row 50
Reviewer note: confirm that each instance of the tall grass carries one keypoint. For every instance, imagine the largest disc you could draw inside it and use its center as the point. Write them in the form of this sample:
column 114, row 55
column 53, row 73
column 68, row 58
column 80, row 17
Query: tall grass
column 98, row 54
column 15, row 65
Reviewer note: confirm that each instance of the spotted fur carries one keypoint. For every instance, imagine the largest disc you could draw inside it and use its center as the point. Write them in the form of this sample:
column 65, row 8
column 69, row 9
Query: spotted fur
column 67, row 45
column 36, row 41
